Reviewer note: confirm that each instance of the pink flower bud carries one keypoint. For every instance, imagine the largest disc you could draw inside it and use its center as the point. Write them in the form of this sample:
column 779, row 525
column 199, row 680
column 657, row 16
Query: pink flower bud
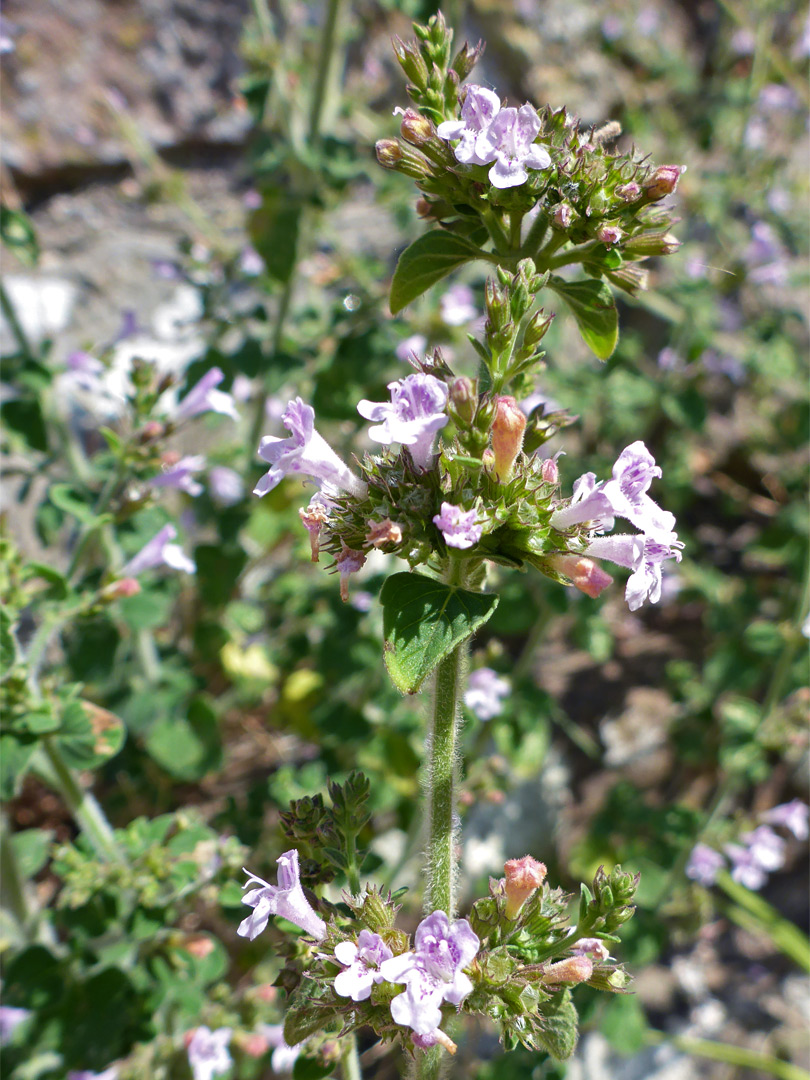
column 463, row 398
column 563, row 216
column 549, row 471
column 312, row 518
column 523, row 876
column 609, row 234
column 507, row 436
column 584, row 574
column 628, row 192
column 663, row 181
column 416, row 129
column 255, row 1045
column 121, row 590
column 152, row 429
column 576, row 969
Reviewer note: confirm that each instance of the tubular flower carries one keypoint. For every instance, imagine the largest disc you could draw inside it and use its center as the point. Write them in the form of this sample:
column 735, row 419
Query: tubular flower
column 286, row 899
column 413, row 416
column 432, row 972
column 361, row 965
column 480, row 108
column 180, row 475
column 204, row 397
column 160, row 551
column 509, row 142
column 305, row 453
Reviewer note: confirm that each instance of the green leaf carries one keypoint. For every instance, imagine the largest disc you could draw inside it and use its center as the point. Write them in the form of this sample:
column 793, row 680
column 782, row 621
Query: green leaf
column 557, row 1026
column 8, row 644
column 307, row 1068
column 306, row 1015
column 423, row 621
column 31, row 848
column 273, row 230
column 592, row 305
column 64, row 497
column 187, row 748
column 427, row 260
column 89, row 735
column 17, row 233
column 15, row 753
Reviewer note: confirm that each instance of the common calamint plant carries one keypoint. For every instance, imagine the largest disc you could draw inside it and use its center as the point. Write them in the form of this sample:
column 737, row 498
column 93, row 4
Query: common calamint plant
column 460, row 482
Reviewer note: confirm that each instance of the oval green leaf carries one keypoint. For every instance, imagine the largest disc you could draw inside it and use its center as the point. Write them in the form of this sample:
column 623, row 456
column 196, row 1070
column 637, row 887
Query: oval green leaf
column 423, row 621
column 427, row 260
column 592, row 305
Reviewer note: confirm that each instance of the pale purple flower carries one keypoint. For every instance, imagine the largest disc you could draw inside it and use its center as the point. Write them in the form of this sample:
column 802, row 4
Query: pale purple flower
column 347, row 563
column 250, row 262
column 306, row 453
column 670, row 360
column 284, row 1056
column 704, row 864
column 286, row 899
column 745, row 868
column 590, row 946
column 86, row 372
column 722, row 364
column 644, row 555
column 204, row 397
column 588, row 503
column 179, row 475
column 414, row 345
column 433, row 972
column 485, row 693
column 612, row 28
column 776, row 97
column 633, row 473
column 792, row 816
column 226, row 485
column 8, row 31
column 160, row 551
column 413, row 416
column 10, row 1019
column 208, row 1052
column 766, row 846
column 457, row 305
column 509, row 141
column 362, row 601
column 480, row 108
column 361, row 965
column 743, row 42
column 251, row 199
column 459, row 527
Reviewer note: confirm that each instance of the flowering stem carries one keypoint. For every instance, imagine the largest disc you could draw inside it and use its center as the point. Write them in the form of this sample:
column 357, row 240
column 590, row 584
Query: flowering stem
column 86, row 811
column 351, row 1061
column 442, row 774
column 573, row 255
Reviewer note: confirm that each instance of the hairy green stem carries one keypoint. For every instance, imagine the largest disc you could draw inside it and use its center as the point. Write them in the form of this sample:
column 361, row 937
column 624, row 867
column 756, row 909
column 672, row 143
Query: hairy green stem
column 86, row 811
column 350, row 1063
column 430, row 1064
column 12, row 889
column 442, row 770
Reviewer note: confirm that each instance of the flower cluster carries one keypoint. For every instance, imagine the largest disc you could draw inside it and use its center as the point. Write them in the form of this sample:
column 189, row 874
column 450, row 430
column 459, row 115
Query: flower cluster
column 760, row 851
column 368, row 969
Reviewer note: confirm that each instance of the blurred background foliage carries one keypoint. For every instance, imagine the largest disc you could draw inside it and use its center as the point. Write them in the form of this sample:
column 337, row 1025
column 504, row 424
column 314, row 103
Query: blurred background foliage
column 254, row 222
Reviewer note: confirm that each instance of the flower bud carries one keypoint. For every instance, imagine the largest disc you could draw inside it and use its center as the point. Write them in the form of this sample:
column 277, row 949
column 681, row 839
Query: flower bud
column 628, row 192
column 121, row 590
column 463, row 399
column 663, row 181
column 523, row 876
column 549, row 471
column 609, row 234
column 536, row 329
column 392, row 154
column 576, row 969
column 254, row 1044
column 652, row 243
column 411, row 62
column 496, row 301
column 488, row 458
column 584, row 574
column 507, row 436
column 415, row 128
column 152, row 429
column 563, row 216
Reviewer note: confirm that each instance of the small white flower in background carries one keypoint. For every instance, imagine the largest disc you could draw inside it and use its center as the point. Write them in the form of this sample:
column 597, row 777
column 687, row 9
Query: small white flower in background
column 792, row 816
column 457, row 306
column 160, row 551
column 414, row 345
column 284, row 1056
column 179, row 475
column 226, row 485
column 10, row 1019
column 87, row 1074
column 704, row 864
column 208, row 1053
column 485, row 693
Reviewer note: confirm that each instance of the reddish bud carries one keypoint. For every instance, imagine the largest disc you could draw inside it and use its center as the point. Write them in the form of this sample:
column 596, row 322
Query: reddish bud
column 628, row 192
column 549, row 471
column 576, row 969
column 416, row 129
column 523, row 876
column 609, row 234
column 663, row 181
column 383, row 532
column 584, row 574
column 121, row 590
column 507, row 436
column 254, row 1045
